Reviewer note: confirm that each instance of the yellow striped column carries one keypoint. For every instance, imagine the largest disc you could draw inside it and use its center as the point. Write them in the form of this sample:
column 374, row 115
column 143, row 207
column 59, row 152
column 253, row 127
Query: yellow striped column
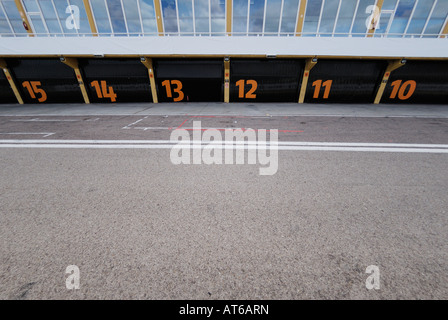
column 24, row 17
column 158, row 10
column 147, row 62
column 300, row 18
column 376, row 16
column 393, row 65
column 310, row 63
column 444, row 32
column 90, row 18
column 226, row 80
column 73, row 63
column 229, row 8
column 11, row 81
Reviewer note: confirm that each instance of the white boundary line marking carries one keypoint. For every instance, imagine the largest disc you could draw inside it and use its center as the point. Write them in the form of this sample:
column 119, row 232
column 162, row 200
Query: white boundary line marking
column 248, row 147
column 170, row 142
column 45, row 134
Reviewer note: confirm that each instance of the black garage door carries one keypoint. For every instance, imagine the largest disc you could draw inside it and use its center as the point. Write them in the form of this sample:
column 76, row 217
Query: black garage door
column 418, row 82
column 116, row 80
column 6, row 93
column 45, row 81
column 262, row 80
column 189, row 80
column 344, row 81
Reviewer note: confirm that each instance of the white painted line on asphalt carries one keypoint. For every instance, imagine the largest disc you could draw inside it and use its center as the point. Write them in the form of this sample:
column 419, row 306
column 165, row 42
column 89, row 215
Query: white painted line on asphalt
column 45, row 134
column 44, row 120
column 225, row 146
column 134, row 123
column 282, row 143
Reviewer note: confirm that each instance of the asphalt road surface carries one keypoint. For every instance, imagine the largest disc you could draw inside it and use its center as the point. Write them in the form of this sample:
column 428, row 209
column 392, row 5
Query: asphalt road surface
column 99, row 191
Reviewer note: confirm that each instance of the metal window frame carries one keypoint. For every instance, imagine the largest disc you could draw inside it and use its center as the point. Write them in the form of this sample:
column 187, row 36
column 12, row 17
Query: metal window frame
column 392, row 18
column 429, row 17
column 320, row 18
column 336, row 19
column 57, row 18
column 354, row 17
column 281, row 18
column 94, row 18
column 264, row 16
column 410, row 18
column 194, row 17
column 110, row 19
column 124, row 17
column 209, row 18
column 7, row 19
column 247, row 19
column 140, row 16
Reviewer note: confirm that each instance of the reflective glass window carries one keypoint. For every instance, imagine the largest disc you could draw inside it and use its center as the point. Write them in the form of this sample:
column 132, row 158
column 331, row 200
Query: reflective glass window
column 362, row 18
column 185, row 15
column 240, row 16
column 102, row 21
column 437, row 19
column 169, row 12
column 273, row 8
column 401, row 17
column 148, row 14
column 345, row 19
column 218, row 16
column 312, row 15
column 289, row 16
column 202, row 14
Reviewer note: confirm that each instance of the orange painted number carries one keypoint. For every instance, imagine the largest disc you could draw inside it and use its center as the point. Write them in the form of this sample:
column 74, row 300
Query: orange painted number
column 103, row 91
column 318, row 84
column 251, row 93
column 32, row 87
column 178, row 89
column 400, row 89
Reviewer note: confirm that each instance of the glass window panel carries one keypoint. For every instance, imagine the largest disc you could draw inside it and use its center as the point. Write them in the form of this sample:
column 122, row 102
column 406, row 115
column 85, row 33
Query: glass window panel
column 84, row 26
column 312, row 17
column 116, row 16
column 201, row 14
column 289, row 16
column 346, row 15
column 14, row 16
column 61, row 6
column 148, row 16
column 328, row 17
column 362, row 15
column 402, row 16
column 4, row 26
column 38, row 25
column 185, row 15
column 132, row 16
column 420, row 15
column 256, row 16
column 272, row 15
column 239, row 16
column 218, row 16
column 437, row 20
column 50, row 16
column 169, row 16
column 384, row 21
column 389, row 5
column 31, row 6
column 101, row 17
